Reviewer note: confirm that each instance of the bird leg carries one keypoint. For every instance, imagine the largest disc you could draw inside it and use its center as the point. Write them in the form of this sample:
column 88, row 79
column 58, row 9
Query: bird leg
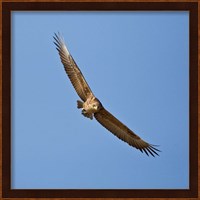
column 88, row 115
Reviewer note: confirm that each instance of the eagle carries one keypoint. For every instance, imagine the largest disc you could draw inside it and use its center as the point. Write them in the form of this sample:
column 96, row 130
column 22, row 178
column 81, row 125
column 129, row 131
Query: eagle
column 92, row 107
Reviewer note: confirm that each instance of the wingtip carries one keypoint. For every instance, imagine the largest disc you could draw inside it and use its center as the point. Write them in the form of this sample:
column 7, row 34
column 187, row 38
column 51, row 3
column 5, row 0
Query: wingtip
column 60, row 43
column 151, row 150
column 58, row 37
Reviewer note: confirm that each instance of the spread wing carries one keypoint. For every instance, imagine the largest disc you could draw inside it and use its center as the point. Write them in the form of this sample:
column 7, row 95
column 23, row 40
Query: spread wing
column 74, row 73
column 112, row 124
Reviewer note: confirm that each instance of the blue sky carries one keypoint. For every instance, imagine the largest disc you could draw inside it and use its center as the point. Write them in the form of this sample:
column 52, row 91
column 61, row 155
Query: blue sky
column 136, row 63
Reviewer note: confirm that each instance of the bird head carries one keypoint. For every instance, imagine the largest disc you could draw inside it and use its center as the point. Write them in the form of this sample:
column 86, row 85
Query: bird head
column 96, row 104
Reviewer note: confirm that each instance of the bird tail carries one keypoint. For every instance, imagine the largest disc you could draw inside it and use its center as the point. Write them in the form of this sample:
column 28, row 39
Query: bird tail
column 79, row 104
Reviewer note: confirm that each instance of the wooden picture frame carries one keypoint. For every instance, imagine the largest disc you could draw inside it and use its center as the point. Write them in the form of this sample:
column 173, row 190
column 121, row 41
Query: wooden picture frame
column 7, row 8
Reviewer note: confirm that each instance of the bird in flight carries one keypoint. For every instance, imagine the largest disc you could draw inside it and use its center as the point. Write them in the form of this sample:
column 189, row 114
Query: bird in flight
column 92, row 107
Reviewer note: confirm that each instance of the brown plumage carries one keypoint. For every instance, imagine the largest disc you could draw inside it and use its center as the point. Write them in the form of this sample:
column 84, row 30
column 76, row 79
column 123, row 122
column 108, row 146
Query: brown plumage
column 91, row 106
column 74, row 73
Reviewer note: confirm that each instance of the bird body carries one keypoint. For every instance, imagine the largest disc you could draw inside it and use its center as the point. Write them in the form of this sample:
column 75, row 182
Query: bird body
column 92, row 107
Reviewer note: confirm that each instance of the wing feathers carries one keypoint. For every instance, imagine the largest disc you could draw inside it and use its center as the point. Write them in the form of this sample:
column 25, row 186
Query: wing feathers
column 76, row 77
column 112, row 124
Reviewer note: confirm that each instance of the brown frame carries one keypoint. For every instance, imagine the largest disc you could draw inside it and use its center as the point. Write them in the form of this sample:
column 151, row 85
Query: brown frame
column 7, row 7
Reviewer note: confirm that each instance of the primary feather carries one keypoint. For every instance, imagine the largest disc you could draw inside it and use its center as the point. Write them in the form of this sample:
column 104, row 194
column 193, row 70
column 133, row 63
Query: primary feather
column 116, row 127
column 72, row 70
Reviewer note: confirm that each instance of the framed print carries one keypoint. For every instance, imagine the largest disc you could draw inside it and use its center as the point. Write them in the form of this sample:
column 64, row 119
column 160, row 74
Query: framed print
column 140, row 59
